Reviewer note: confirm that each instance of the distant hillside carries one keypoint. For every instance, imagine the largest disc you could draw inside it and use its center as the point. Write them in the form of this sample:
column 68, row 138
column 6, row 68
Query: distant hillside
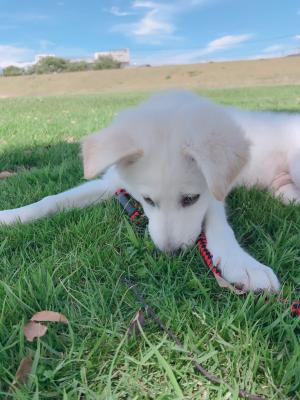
column 279, row 71
column 294, row 55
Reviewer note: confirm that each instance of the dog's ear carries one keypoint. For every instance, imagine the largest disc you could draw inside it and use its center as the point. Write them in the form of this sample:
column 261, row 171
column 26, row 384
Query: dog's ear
column 220, row 155
column 108, row 147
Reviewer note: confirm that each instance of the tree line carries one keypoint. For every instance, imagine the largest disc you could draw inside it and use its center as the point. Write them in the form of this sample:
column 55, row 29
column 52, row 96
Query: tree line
column 48, row 65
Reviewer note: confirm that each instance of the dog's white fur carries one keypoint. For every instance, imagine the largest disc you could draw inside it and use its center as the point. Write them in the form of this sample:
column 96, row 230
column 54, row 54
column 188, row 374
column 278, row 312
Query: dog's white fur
column 177, row 144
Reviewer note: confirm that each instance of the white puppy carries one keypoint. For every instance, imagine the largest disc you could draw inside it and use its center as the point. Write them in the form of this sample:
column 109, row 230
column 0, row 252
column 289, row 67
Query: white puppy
column 179, row 155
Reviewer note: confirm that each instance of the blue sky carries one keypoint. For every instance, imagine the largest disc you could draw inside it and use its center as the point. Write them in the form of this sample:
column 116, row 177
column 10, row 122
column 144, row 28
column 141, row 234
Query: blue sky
column 156, row 32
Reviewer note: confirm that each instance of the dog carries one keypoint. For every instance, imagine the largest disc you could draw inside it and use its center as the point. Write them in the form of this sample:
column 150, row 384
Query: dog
column 179, row 155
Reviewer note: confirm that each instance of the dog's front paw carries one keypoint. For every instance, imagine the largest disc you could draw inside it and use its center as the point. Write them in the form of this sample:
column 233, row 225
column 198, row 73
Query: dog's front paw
column 248, row 274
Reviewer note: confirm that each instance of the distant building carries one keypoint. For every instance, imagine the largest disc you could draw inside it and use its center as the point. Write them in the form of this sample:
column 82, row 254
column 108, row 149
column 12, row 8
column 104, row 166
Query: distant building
column 39, row 57
column 121, row 55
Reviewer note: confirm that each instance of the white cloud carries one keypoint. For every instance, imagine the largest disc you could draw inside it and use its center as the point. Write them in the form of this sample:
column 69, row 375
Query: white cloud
column 175, row 6
column 226, row 42
column 118, row 13
column 152, row 25
column 169, row 9
column 146, row 4
column 297, row 37
column 194, row 55
column 156, row 21
column 274, row 48
column 204, row 54
column 151, row 28
column 12, row 55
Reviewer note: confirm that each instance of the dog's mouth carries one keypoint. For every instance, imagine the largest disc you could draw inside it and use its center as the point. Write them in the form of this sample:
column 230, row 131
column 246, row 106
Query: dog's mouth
column 170, row 253
column 176, row 250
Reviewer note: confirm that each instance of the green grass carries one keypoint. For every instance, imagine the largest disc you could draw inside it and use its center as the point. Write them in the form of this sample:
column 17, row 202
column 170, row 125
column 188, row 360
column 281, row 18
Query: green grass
column 74, row 261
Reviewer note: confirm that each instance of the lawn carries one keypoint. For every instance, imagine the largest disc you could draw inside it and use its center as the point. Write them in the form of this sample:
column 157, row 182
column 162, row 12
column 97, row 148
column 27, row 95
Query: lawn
column 74, row 263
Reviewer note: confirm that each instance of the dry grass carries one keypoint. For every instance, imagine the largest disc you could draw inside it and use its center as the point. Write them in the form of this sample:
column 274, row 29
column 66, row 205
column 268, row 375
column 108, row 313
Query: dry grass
column 279, row 71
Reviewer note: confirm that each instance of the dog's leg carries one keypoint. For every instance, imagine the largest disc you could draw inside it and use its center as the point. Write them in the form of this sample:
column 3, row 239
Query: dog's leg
column 286, row 185
column 82, row 196
column 237, row 266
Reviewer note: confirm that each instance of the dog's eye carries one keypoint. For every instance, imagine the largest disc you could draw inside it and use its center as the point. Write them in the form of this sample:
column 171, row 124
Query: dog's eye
column 189, row 200
column 149, row 201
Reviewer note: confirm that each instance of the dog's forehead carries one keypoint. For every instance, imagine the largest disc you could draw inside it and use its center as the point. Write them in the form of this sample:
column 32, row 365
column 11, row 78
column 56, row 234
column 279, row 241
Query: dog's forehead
column 163, row 132
column 154, row 123
column 163, row 172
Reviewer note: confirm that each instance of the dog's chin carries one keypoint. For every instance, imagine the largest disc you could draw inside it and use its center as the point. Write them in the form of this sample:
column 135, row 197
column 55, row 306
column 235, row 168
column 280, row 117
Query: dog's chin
column 175, row 250
column 174, row 253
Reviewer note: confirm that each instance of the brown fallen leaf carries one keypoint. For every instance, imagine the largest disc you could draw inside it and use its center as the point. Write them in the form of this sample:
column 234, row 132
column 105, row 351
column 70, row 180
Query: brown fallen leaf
column 33, row 330
column 49, row 316
column 23, row 371
column 6, row 174
column 134, row 328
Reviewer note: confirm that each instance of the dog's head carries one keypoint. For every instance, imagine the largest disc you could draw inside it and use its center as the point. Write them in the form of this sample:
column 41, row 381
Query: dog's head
column 175, row 153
